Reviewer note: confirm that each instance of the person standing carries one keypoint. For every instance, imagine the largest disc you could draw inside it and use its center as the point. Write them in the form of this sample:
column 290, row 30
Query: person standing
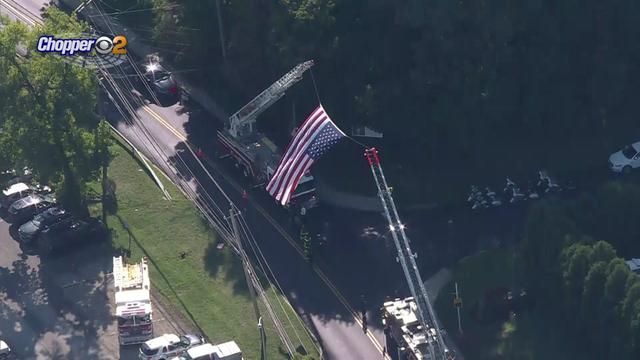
column 245, row 200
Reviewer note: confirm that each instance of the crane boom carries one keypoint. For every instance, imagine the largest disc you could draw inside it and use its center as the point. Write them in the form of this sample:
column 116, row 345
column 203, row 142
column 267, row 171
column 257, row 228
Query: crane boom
column 426, row 314
column 242, row 121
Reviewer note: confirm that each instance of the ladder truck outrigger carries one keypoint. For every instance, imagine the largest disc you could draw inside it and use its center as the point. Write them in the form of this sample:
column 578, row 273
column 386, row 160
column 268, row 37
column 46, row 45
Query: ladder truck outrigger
column 255, row 154
column 133, row 301
column 412, row 321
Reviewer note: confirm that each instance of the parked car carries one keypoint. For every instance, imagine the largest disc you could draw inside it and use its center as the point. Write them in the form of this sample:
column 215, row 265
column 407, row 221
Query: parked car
column 29, row 231
column 160, row 80
column 13, row 177
column 200, row 352
column 29, row 206
column 224, row 351
column 625, row 160
column 5, row 351
column 75, row 233
column 13, row 193
column 167, row 346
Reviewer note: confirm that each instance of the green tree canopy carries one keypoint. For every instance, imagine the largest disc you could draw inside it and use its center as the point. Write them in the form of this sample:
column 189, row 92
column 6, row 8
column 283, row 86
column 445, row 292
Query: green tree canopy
column 50, row 124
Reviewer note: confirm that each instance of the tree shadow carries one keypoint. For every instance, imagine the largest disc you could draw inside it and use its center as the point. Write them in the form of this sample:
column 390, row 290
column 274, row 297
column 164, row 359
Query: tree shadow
column 158, row 269
column 225, row 263
column 59, row 308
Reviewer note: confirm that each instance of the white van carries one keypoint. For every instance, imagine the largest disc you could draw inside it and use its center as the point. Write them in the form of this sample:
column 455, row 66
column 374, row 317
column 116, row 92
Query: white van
column 13, row 193
column 200, row 352
column 225, row 351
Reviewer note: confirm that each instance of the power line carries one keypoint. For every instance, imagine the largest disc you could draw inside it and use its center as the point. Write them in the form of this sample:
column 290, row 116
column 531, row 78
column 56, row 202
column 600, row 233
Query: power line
column 168, row 7
column 205, row 208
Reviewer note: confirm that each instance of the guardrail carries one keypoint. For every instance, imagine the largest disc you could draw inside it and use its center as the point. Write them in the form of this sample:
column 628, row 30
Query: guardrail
column 138, row 155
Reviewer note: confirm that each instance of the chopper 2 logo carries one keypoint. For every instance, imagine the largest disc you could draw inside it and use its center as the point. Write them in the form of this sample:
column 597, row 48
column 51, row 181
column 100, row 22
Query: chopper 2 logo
column 103, row 45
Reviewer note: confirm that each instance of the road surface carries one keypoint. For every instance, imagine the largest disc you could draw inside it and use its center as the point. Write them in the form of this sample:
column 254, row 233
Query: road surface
column 313, row 295
column 62, row 308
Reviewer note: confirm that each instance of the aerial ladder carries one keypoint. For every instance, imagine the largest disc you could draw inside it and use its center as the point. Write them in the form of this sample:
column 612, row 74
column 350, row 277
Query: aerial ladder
column 426, row 315
column 241, row 123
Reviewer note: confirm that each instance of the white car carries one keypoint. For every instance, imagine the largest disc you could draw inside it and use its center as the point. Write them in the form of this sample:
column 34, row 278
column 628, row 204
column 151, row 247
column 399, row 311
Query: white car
column 225, row 351
column 167, row 346
column 626, row 159
column 5, row 351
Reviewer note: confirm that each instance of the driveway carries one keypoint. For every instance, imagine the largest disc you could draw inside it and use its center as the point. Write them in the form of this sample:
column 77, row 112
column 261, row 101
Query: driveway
column 61, row 308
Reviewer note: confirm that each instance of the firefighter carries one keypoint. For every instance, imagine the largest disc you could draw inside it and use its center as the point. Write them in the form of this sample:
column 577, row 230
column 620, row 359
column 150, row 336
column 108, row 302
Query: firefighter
column 245, row 199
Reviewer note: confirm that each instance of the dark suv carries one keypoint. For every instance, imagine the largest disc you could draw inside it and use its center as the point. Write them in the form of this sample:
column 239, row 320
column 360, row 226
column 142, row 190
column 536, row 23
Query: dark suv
column 25, row 208
column 56, row 216
column 74, row 234
column 160, row 80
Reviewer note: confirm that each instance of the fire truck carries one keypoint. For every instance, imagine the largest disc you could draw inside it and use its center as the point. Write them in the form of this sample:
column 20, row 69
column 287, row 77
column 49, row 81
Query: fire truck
column 255, row 154
column 400, row 318
column 412, row 322
column 133, row 301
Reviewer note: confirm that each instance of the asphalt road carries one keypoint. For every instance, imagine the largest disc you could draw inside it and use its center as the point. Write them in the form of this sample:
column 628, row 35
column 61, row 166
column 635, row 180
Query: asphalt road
column 363, row 263
column 161, row 133
column 339, row 332
column 61, row 308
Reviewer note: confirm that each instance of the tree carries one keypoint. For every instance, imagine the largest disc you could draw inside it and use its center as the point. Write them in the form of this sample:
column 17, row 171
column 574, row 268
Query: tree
column 51, row 125
column 614, row 294
column 545, row 234
column 603, row 251
column 591, row 309
column 616, row 201
column 576, row 263
column 631, row 298
column 103, row 155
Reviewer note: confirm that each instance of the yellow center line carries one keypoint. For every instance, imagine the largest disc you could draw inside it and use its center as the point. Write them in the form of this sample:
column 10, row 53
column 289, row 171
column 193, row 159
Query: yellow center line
column 236, row 186
column 162, row 121
column 282, row 232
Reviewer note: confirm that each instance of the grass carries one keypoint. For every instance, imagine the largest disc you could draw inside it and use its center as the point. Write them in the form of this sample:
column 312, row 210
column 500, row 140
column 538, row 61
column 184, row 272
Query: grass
column 208, row 285
column 527, row 336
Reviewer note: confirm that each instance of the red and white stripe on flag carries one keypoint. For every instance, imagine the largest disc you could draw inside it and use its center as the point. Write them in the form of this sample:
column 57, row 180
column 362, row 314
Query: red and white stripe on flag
column 314, row 138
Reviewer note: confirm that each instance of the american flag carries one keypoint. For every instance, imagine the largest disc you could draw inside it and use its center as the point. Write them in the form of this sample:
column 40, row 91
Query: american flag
column 314, row 138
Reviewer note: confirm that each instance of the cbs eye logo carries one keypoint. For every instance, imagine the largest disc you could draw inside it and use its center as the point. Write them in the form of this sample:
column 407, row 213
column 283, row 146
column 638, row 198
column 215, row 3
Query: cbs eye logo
column 104, row 45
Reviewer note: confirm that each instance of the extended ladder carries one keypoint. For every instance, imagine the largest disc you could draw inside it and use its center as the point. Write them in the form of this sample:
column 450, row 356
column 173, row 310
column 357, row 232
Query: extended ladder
column 242, row 121
column 426, row 314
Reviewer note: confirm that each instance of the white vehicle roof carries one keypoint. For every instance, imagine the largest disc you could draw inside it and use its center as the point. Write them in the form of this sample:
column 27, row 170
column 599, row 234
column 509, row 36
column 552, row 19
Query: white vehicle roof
column 15, row 188
column 132, row 287
column 164, row 340
column 133, row 302
column 4, row 348
column 201, row 350
column 130, row 276
column 228, row 349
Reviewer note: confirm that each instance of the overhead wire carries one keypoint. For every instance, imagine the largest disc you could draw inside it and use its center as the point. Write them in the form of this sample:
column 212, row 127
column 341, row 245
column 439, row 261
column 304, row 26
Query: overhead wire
column 216, row 222
column 277, row 289
column 167, row 7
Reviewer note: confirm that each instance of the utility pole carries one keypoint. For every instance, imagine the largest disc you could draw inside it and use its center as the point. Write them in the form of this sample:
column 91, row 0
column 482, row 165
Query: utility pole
column 457, row 302
column 247, row 273
column 263, row 340
column 220, row 31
